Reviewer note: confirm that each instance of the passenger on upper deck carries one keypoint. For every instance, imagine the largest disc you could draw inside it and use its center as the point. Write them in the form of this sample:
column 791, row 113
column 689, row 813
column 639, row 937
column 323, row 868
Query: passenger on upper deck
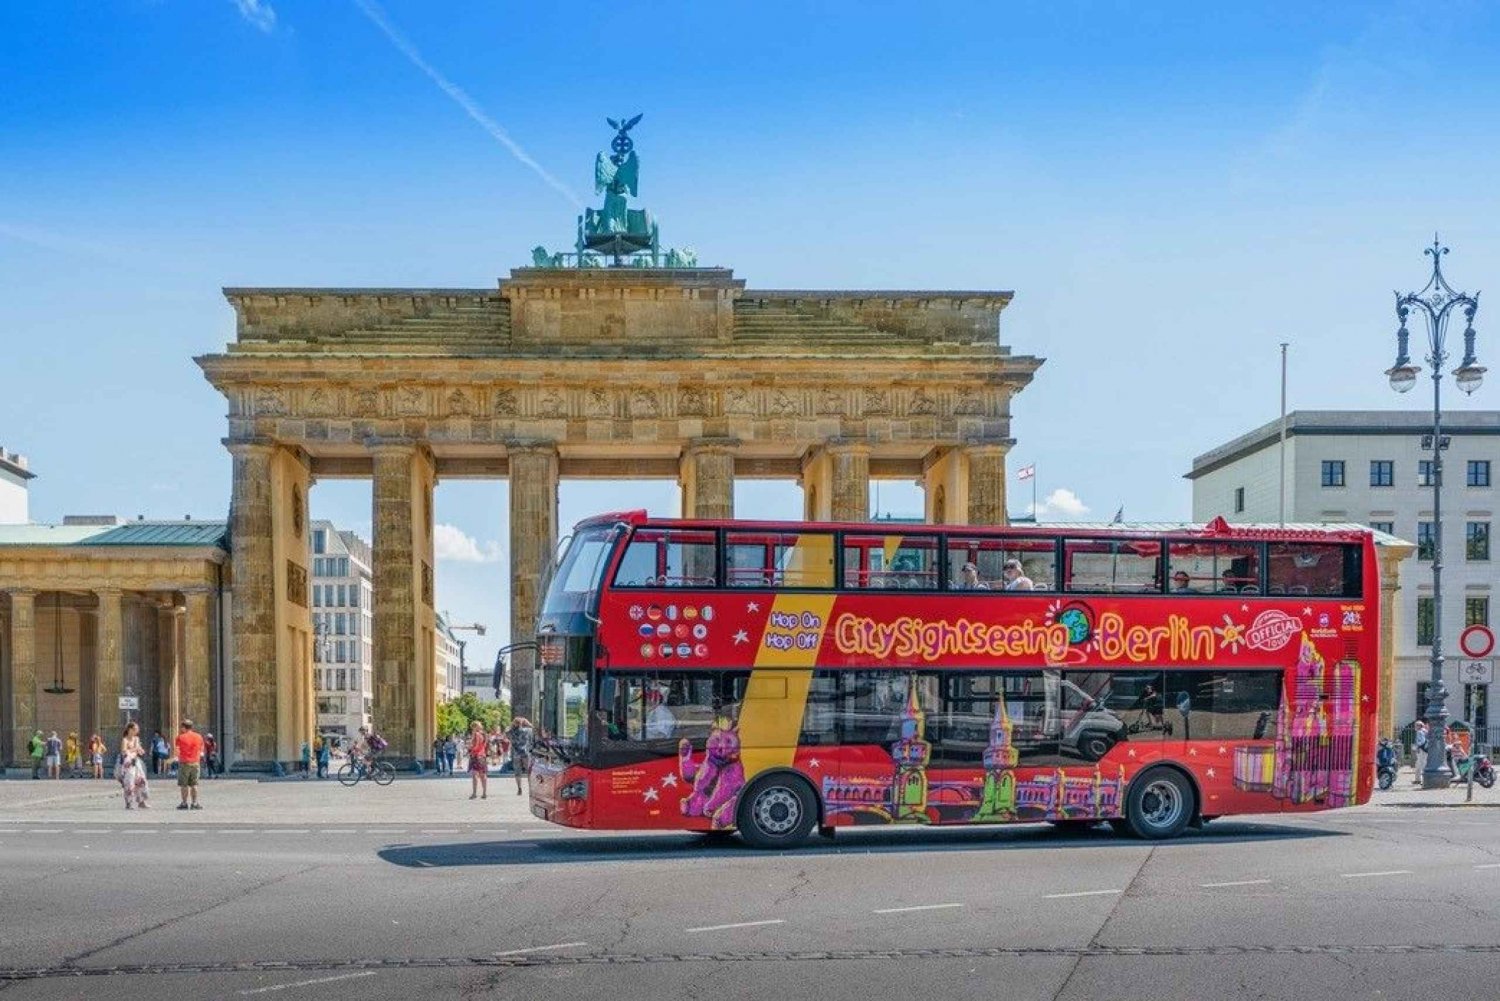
column 1181, row 582
column 1015, row 580
column 968, row 579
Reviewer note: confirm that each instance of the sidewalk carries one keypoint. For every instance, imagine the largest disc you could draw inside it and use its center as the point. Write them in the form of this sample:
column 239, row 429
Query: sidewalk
column 236, row 800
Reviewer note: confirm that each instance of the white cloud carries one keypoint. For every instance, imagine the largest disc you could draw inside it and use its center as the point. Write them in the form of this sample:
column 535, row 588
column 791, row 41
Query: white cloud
column 449, row 542
column 1062, row 503
column 258, row 13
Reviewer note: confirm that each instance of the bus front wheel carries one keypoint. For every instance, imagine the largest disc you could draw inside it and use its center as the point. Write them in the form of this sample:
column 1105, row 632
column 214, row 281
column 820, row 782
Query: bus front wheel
column 777, row 811
column 1160, row 805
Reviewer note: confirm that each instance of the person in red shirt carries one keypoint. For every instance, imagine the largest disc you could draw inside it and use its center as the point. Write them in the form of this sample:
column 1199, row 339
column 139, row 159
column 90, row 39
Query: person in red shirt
column 189, row 759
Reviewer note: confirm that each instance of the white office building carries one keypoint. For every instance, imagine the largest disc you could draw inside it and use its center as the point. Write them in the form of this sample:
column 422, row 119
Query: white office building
column 449, row 676
column 343, row 622
column 1370, row 467
column 14, row 494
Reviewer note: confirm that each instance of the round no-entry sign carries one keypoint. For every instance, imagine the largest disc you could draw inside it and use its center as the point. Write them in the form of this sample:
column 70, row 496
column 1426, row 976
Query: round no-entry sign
column 1477, row 641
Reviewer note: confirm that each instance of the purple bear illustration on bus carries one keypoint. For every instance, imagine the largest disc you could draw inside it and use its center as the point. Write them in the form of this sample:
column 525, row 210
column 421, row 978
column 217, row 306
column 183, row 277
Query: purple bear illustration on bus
column 716, row 778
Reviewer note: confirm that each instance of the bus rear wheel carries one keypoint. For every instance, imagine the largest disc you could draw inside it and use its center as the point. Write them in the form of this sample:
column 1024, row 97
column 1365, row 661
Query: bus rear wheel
column 777, row 811
column 1160, row 805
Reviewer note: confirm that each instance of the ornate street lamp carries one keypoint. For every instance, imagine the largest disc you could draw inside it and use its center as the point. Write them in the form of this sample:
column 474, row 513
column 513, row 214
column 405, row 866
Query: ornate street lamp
column 1436, row 303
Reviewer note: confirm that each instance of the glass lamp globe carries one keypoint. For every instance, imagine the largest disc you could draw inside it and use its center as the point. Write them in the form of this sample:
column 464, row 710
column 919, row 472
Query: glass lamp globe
column 1469, row 377
column 1403, row 377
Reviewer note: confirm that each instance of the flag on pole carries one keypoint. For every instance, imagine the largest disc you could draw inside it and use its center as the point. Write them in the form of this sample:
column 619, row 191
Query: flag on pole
column 1026, row 472
column 1119, row 516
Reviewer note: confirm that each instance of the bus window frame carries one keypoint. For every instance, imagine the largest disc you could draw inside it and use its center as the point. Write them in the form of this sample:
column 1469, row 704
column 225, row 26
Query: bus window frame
column 723, row 584
column 1260, row 562
column 617, row 561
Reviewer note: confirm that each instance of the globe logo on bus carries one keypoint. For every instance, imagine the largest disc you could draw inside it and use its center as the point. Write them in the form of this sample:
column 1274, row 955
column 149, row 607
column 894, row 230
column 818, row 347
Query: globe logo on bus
column 1077, row 621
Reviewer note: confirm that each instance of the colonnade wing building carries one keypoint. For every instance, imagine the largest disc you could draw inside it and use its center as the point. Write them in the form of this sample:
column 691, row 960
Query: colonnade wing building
column 621, row 373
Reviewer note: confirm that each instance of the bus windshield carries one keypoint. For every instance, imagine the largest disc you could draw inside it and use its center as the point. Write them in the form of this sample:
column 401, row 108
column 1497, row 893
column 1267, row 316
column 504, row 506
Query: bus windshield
column 580, row 571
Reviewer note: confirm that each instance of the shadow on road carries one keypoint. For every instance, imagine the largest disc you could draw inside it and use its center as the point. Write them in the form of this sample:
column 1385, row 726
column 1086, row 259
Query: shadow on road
column 665, row 847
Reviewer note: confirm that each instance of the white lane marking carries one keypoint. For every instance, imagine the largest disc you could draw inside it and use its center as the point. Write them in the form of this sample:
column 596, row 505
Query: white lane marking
column 740, row 924
column 308, row 983
column 9, row 830
column 138, row 832
column 1383, row 872
column 542, row 948
column 235, row 830
column 180, row 831
column 45, row 830
column 441, row 830
column 1489, row 865
column 492, row 831
column 1081, row 893
column 919, row 907
column 287, row 830
column 1237, row 882
column 541, row 830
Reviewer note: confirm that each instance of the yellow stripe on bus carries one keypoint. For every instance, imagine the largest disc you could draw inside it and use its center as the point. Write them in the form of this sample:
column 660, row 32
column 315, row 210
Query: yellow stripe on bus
column 771, row 715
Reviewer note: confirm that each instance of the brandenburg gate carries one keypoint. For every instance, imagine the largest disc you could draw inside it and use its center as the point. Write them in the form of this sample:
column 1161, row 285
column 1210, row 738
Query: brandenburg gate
column 616, row 362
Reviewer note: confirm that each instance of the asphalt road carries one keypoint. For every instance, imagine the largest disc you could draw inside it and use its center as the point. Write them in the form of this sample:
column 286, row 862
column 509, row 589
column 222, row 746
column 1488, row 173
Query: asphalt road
column 1392, row 903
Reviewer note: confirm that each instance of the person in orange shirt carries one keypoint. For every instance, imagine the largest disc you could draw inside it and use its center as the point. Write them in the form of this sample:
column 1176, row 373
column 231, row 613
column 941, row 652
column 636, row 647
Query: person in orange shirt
column 189, row 758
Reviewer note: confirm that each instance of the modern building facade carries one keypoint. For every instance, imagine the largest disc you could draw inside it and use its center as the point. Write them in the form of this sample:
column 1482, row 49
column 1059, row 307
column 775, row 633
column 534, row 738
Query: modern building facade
column 14, row 494
column 343, row 595
column 449, row 677
column 1370, row 467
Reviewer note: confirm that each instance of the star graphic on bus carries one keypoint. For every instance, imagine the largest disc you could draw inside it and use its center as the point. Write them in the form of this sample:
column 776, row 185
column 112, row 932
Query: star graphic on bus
column 649, row 795
column 1307, row 610
column 1130, row 753
column 814, row 763
column 741, row 637
column 753, row 606
column 1223, row 749
column 1209, row 773
column 669, row 780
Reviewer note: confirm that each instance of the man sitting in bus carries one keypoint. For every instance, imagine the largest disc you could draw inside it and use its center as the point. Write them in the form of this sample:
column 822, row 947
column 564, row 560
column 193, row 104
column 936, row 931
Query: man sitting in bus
column 968, row 579
column 1015, row 580
column 660, row 723
column 1181, row 582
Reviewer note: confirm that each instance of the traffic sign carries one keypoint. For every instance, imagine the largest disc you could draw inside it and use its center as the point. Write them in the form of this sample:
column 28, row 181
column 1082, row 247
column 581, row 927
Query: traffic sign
column 1476, row 672
column 1477, row 641
column 130, row 701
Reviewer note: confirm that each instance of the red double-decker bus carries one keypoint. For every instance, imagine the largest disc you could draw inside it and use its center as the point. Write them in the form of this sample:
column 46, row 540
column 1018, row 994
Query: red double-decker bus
column 779, row 678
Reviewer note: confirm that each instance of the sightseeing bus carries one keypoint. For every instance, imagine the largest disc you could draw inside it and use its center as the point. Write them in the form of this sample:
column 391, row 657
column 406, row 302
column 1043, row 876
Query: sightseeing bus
column 781, row 678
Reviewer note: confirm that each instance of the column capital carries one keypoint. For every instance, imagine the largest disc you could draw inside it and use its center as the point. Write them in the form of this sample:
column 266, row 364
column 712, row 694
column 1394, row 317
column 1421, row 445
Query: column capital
column 719, row 444
column 989, row 446
column 846, row 446
column 21, row 592
column 250, row 446
column 391, row 446
column 531, row 446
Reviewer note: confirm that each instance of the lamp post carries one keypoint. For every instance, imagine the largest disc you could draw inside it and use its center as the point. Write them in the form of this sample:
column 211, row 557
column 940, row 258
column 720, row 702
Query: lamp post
column 1436, row 303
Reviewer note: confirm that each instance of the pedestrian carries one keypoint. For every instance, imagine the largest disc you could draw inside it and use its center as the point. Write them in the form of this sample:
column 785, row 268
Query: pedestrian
column 54, row 755
column 130, row 770
column 325, row 751
column 96, row 755
column 189, row 760
column 73, row 755
column 210, row 755
column 450, row 751
column 1419, row 750
column 36, row 747
column 160, row 752
column 520, row 735
column 306, row 764
column 479, row 770
column 437, row 754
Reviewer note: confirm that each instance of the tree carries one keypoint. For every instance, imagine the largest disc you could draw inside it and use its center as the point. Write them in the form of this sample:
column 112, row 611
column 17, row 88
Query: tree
column 455, row 715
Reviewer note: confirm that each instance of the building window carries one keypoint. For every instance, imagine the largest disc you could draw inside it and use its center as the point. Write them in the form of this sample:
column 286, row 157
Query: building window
column 1333, row 472
column 1478, row 473
column 1239, row 500
column 1477, row 611
column 320, row 540
column 1424, row 620
column 1477, row 540
column 1426, row 540
column 1424, row 472
column 1382, row 473
column 1388, row 527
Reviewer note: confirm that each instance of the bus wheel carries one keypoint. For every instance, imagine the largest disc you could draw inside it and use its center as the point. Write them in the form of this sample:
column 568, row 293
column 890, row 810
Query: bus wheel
column 777, row 811
column 1160, row 804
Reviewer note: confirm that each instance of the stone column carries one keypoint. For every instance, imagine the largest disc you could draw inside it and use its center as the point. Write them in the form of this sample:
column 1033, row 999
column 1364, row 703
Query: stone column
column 109, row 665
column 1390, row 583
column 403, row 583
column 986, row 483
column 197, row 657
column 945, row 487
column 533, row 545
column 706, row 475
column 169, row 666
column 253, row 607
column 22, row 687
column 849, row 480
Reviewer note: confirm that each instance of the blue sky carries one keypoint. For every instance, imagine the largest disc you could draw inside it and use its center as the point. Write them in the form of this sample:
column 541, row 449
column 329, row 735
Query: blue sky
column 1170, row 189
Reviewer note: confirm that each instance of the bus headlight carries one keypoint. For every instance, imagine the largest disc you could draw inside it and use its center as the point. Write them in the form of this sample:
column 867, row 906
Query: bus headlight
column 574, row 790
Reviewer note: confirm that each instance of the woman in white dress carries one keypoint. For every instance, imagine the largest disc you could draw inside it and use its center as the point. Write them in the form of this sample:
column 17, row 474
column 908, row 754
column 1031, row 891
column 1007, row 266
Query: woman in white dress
column 129, row 769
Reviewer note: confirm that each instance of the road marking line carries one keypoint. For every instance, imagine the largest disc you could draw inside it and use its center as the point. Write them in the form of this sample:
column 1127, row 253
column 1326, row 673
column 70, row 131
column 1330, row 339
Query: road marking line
column 541, row 830
column 919, row 907
column 740, row 924
column 1489, row 865
column 234, row 830
column 339, row 830
column 542, row 948
column 1081, row 893
column 180, row 831
column 308, row 983
column 492, row 831
column 45, row 830
column 441, row 830
column 1237, row 882
column 1383, row 872
column 287, row 830
column 137, row 832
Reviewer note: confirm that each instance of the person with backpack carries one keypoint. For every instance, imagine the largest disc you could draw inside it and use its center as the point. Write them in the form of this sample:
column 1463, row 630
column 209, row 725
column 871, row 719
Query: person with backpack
column 160, row 752
column 54, row 756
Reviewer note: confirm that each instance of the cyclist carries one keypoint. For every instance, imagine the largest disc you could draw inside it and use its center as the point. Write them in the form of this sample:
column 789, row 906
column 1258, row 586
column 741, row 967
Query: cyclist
column 367, row 747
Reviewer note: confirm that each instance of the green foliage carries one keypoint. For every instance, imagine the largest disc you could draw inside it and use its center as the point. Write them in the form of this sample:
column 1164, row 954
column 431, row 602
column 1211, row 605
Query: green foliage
column 455, row 715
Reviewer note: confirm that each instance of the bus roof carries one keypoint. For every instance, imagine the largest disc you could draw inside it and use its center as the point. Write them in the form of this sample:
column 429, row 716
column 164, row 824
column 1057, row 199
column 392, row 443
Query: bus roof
column 1218, row 528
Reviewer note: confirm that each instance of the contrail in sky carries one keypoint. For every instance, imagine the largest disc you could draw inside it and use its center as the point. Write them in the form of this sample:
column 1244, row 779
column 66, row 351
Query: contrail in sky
column 373, row 11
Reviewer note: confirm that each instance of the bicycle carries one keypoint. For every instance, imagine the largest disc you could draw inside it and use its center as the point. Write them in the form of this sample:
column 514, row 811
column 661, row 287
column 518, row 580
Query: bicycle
column 382, row 773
